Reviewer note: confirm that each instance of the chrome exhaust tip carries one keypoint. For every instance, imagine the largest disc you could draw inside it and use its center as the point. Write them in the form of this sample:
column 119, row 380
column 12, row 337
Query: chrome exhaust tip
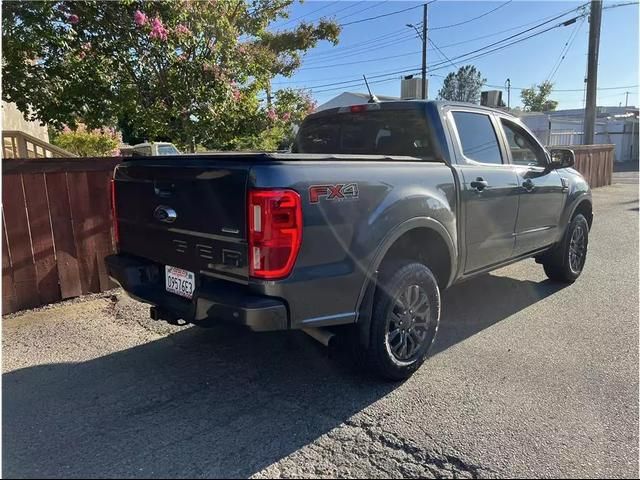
column 321, row 335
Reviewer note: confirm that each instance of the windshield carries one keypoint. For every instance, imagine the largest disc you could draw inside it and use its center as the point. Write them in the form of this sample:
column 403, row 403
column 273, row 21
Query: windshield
column 378, row 132
column 167, row 150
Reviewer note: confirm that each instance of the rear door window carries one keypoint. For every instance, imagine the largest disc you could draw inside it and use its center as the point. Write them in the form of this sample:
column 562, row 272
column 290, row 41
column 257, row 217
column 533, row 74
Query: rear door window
column 478, row 138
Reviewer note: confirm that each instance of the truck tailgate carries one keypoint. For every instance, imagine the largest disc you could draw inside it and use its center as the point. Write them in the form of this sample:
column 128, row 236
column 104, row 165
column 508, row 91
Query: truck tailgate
column 186, row 213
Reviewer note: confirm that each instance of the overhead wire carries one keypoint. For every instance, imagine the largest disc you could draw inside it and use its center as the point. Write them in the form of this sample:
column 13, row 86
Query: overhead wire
column 472, row 19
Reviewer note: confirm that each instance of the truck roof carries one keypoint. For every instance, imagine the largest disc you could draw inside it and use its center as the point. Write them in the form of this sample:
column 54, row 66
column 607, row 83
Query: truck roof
column 410, row 104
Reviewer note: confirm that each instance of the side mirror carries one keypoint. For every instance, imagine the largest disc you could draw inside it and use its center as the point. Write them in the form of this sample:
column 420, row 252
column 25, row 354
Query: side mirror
column 562, row 158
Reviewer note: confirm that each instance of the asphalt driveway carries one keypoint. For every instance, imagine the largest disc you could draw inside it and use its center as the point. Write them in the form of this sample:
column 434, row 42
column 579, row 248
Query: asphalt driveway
column 528, row 378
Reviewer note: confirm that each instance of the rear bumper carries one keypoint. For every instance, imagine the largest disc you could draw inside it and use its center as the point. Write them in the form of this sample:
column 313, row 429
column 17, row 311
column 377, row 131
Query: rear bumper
column 212, row 300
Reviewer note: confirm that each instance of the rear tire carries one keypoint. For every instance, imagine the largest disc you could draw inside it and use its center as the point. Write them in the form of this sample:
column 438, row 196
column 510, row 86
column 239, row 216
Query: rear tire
column 404, row 322
column 566, row 262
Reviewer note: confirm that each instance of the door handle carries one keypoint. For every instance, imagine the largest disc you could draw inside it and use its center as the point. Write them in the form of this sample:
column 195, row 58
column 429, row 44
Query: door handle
column 528, row 185
column 479, row 184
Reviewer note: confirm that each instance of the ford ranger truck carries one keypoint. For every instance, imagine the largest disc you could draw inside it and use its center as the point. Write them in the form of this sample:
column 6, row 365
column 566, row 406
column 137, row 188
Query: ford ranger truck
column 376, row 210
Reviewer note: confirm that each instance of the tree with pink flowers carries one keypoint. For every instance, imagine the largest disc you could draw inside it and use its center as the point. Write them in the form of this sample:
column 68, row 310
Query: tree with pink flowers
column 183, row 71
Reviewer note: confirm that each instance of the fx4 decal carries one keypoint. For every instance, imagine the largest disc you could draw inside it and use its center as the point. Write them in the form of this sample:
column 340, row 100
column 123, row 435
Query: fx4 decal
column 333, row 192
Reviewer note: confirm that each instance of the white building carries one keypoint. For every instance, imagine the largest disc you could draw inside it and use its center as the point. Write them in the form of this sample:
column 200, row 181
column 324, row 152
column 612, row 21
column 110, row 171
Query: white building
column 614, row 125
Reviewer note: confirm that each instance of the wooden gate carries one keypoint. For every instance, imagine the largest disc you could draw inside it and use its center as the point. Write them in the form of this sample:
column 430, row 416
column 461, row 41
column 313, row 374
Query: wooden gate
column 57, row 228
column 595, row 163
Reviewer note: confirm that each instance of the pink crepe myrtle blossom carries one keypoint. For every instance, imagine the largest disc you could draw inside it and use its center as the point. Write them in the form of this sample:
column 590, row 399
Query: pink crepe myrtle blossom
column 82, row 54
column 140, row 18
column 272, row 115
column 311, row 106
column 66, row 129
column 158, row 30
column 86, row 46
column 182, row 30
column 73, row 19
column 286, row 116
column 236, row 94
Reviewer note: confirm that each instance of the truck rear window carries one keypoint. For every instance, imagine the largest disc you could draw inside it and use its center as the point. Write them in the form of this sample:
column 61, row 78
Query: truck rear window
column 377, row 132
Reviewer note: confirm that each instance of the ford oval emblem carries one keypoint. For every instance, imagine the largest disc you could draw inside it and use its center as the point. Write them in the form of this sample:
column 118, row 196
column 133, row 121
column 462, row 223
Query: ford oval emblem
column 165, row 214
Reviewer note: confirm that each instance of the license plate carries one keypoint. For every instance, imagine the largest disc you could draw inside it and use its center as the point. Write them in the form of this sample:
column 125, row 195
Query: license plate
column 178, row 281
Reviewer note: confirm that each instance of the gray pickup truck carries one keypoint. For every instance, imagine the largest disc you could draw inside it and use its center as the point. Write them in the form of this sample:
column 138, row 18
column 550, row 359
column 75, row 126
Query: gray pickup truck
column 376, row 209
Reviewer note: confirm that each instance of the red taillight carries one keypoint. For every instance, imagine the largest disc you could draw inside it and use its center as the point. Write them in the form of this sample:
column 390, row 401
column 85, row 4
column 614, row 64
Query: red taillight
column 275, row 232
column 114, row 214
column 357, row 108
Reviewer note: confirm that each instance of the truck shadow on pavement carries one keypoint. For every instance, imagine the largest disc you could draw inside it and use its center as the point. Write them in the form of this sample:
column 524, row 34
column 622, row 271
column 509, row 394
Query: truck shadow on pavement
column 209, row 403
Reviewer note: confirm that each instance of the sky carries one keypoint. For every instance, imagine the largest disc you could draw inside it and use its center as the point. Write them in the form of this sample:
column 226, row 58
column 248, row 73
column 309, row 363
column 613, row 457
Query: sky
column 386, row 45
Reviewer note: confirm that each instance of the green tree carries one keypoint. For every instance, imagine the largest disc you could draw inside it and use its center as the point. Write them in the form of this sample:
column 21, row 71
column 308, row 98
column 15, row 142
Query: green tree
column 184, row 71
column 87, row 143
column 536, row 98
column 463, row 85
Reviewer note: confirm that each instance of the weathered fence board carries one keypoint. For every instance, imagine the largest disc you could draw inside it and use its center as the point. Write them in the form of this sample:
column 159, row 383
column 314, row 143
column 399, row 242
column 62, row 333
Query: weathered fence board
column 18, row 237
column 41, row 237
column 56, row 229
column 8, row 292
column 66, row 253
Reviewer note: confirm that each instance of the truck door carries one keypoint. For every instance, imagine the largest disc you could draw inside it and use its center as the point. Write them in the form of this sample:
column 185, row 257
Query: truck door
column 489, row 190
column 542, row 192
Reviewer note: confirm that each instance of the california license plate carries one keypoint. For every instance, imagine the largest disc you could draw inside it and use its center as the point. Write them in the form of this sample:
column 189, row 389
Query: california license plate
column 178, row 281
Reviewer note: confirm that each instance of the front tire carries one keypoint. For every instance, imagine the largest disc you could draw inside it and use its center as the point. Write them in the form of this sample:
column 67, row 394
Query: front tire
column 405, row 320
column 566, row 262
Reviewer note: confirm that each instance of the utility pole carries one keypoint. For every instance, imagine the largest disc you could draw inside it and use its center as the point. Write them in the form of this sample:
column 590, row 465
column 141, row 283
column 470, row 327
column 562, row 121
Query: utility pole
column 626, row 100
column 424, row 52
column 508, row 84
column 595, row 18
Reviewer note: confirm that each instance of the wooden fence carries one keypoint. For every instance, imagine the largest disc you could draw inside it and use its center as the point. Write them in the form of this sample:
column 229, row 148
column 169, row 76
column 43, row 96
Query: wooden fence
column 57, row 224
column 56, row 229
column 595, row 162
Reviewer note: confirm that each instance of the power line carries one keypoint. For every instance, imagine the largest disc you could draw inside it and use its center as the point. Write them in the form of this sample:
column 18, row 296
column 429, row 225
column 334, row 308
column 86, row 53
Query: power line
column 348, row 8
column 403, row 35
column 378, row 47
column 375, row 5
column 442, row 54
column 472, row 19
column 356, row 84
column 440, row 65
column 565, row 50
column 307, row 14
column 437, row 66
column 468, row 53
column 316, row 67
column 400, row 36
column 566, row 89
column 384, row 15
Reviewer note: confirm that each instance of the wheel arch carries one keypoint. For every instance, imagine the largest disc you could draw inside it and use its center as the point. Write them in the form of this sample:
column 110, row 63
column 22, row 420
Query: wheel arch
column 418, row 227
column 584, row 206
